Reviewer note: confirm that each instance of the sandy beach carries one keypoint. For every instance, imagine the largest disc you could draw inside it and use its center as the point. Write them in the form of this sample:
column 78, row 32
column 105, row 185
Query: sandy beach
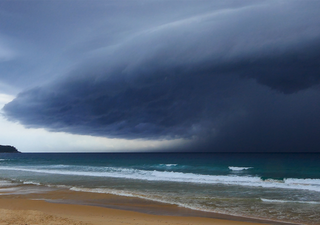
column 29, row 210
column 14, row 211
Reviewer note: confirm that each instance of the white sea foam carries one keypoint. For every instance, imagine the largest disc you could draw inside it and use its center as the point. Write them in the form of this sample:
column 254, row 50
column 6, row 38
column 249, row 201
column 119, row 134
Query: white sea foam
column 4, row 183
column 61, row 186
column 4, row 159
column 236, row 168
column 31, row 182
column 169, row 165
column 57, row 166
column 166, row 176
column 288, row 201
column 307, row 181
column 106, row 191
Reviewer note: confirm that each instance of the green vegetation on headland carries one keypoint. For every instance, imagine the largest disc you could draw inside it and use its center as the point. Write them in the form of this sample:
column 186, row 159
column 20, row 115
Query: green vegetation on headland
column 8, row 149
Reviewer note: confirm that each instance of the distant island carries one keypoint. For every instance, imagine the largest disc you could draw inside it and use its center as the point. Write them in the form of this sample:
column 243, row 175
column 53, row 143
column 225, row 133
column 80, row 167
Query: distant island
column 8, row 149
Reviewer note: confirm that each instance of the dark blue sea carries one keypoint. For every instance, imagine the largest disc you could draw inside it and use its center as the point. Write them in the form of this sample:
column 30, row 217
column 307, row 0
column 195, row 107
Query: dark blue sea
column 280, row 187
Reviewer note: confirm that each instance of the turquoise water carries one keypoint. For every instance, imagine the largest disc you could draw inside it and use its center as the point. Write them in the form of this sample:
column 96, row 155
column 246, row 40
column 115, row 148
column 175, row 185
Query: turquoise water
column 282, row 187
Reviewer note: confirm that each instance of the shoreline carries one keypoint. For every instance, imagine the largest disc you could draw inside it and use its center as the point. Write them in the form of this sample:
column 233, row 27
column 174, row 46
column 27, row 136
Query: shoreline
column 27, row 211
column 81, row 206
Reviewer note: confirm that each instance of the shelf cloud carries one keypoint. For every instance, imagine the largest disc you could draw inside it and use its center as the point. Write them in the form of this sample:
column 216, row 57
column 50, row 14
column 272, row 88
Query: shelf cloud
column 231, row 77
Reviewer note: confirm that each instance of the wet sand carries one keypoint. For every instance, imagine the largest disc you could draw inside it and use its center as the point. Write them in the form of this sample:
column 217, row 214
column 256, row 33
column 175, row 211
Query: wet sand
column 66, row 207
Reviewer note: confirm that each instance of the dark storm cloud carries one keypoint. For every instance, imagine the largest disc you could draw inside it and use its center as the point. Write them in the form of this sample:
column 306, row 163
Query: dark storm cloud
column 235, row 78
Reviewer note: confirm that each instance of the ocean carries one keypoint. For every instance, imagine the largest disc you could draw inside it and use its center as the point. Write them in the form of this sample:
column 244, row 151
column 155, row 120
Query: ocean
column 274, row 186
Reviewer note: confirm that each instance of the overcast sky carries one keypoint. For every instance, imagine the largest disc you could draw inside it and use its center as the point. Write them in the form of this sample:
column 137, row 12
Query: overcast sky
column 152, row 75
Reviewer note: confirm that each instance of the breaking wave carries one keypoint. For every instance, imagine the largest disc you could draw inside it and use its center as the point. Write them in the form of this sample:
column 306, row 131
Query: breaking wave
column 170, row 176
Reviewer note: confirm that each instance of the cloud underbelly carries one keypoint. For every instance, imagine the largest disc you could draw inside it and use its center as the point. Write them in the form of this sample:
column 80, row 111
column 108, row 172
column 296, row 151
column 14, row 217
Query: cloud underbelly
column 231, row 75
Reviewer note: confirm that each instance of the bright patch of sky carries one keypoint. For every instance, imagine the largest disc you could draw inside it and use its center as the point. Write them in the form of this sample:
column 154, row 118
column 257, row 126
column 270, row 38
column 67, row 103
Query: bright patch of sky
column 40, row 140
